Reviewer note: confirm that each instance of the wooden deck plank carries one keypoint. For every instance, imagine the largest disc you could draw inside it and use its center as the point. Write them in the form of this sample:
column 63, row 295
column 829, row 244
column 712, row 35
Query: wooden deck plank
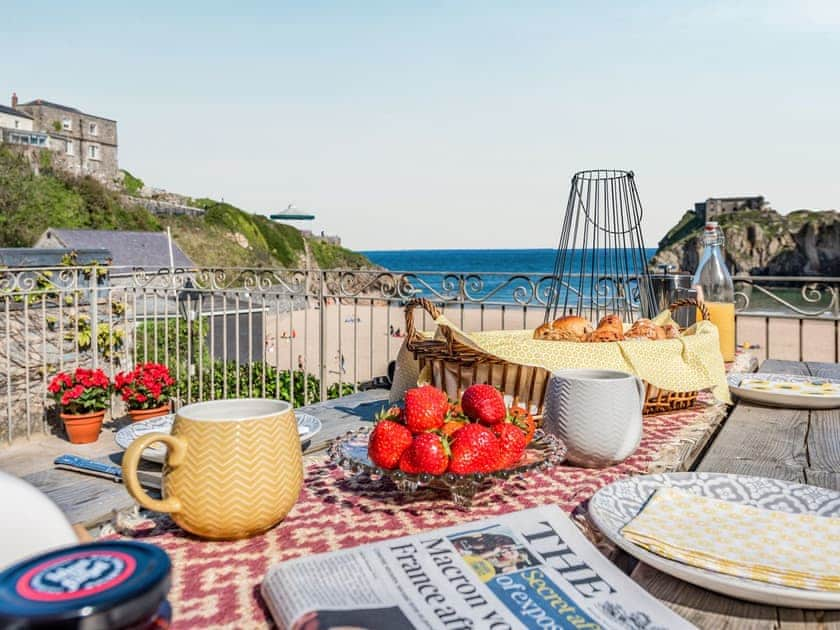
column 704, row 608
column 794, row 619
column 782, row 366
column 85, row 500
column 759, row 434
column 823, row 478
column 824, row 370
column 824, row 440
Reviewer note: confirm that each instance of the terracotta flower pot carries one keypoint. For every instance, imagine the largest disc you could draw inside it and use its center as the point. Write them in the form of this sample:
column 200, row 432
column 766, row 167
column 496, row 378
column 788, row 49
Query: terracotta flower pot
column 83, row 428
column 144, row 414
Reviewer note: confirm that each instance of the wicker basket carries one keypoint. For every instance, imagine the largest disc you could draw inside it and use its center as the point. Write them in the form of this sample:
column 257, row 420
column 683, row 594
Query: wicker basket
column 453, row 365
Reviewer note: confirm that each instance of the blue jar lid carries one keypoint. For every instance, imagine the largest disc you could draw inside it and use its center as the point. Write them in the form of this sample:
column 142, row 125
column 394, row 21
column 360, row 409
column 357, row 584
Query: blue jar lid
column 97, row 585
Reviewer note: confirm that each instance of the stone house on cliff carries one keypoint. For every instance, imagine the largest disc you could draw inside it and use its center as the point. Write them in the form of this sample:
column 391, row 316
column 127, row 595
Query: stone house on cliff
column 80, row 143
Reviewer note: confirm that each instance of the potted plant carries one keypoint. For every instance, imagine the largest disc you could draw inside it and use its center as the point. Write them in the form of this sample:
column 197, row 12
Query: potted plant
column 83, row 395
column 146, row 390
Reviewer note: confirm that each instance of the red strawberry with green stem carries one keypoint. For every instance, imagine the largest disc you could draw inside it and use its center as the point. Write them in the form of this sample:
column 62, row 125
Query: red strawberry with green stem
column 484, row 403
column 425, row 408
column 512, row 442
column 474, row 450
column 388, row 441
column 428, row 453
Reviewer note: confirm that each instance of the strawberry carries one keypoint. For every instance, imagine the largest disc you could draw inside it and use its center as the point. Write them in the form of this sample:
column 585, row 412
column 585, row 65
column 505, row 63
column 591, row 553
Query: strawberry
column 512, row 441
column 524, row 420
column 484, row 403
column 387, row 442
column 425, row 408
column 428, row 453
column 474, row 450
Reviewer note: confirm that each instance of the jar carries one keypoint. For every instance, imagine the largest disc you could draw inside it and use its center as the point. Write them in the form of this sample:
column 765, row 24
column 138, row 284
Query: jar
column 119, row 585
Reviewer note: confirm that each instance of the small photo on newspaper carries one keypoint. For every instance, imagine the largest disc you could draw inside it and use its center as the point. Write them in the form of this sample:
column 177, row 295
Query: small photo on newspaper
column 531, row 569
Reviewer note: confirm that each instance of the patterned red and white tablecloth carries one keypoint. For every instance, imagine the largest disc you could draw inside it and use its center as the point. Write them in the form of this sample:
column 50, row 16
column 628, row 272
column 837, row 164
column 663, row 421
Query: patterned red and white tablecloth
column 216, row 584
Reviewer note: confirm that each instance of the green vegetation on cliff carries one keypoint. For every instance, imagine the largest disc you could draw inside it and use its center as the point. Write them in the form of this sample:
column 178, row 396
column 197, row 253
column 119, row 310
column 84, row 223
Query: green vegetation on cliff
column 131, row 184
column 31, row 203
column 224, row 236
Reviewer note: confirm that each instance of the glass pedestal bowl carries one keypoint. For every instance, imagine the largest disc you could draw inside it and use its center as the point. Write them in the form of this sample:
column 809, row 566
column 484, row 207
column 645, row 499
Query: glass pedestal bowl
column 351, row 453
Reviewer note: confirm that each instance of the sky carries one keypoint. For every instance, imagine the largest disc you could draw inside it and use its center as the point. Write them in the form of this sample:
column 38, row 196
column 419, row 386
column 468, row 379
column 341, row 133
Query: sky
column 422, row 125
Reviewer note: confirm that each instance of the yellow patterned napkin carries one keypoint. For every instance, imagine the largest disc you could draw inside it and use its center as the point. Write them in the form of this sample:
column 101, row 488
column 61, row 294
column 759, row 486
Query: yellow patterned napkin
column 692, row 362
column 797, row 550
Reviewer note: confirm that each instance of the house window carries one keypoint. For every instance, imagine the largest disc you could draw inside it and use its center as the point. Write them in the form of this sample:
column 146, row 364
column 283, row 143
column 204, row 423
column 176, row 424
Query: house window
column 67, row 124
column 68, row 147
column 93, row 151
column 93, row 129
column 17, row 124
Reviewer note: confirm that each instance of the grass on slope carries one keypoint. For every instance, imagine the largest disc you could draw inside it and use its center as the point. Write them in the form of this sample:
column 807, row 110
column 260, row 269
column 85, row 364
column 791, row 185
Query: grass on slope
column 283, row 242
column 213, row 245
column 329, row 256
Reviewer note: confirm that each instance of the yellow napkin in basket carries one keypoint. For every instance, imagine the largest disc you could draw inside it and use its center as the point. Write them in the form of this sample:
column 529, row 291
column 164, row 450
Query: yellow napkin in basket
column 797, row 550
column 692, row 362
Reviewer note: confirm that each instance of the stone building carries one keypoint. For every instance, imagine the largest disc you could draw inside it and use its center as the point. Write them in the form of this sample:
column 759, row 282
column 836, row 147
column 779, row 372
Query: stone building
column 81, row 144
column 16, row 127
column 713, row 207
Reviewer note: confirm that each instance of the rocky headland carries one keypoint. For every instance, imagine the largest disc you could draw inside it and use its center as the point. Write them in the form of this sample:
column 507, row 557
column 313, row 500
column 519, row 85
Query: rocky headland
column 760, row 242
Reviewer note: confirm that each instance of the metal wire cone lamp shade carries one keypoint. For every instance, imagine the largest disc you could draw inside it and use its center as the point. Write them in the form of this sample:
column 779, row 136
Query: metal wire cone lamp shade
column 601, row 265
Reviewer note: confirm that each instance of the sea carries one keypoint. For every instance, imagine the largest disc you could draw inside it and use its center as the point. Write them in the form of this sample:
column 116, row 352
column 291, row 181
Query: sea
column 427, row 265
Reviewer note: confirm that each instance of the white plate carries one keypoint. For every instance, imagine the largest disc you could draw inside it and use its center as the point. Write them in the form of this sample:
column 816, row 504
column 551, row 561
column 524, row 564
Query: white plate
column 617, row 504
column 307, row 427
column 786, row 390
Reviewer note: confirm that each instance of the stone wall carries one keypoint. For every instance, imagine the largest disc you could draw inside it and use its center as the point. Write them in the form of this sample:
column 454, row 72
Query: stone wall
column 162, row 207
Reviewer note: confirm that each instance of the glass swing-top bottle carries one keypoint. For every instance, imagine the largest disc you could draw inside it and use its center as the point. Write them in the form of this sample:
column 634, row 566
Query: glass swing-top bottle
column 715, row 288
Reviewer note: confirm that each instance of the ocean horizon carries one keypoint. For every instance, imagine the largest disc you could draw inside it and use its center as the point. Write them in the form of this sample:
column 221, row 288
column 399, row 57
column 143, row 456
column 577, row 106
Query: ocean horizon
column 492, row 265
column 536, row 261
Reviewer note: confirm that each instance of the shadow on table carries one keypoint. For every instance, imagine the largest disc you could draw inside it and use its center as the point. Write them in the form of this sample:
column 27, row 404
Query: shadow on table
column 366, row 410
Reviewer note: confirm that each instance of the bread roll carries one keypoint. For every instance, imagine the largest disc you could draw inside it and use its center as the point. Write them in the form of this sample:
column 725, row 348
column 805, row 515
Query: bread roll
column 604, row 334
column 646, row 329
column 567, row 328
column 612, row 322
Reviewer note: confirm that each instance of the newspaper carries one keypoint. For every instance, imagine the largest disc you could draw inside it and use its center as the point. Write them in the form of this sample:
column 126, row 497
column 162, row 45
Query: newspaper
column 529, row 569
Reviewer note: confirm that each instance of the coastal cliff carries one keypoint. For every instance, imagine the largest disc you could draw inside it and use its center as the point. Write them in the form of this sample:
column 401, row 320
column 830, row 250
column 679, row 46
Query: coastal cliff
column 35, row 196
column 761, row 242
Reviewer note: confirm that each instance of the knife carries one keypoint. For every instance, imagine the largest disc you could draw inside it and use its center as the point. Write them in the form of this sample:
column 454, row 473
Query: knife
column 101, row 469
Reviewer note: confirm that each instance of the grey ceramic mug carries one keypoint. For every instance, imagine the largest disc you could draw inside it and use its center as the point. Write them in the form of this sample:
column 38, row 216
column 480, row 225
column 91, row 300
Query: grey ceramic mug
column 597, row 414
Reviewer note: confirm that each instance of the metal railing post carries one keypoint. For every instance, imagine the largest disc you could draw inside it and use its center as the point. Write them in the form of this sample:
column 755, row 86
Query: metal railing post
column 322, row 335
column 93, row 303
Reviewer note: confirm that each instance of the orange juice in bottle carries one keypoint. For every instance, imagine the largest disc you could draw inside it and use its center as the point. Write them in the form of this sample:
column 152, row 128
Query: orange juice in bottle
column 716, row 289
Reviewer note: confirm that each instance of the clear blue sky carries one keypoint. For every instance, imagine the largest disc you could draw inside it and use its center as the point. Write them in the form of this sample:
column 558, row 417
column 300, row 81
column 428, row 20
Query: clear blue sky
column 434, row 124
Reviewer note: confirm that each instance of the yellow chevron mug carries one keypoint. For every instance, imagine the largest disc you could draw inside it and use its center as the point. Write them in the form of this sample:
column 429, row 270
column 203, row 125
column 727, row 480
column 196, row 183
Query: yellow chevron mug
column 233, row 468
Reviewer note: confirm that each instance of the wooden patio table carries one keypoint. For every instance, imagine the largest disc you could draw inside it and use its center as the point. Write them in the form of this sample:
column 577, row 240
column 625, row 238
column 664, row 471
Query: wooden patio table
column 790, row 444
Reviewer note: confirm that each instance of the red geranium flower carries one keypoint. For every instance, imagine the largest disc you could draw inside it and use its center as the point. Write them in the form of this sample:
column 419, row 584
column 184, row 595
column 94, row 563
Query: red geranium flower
column 81, row 391
column 147, row 386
